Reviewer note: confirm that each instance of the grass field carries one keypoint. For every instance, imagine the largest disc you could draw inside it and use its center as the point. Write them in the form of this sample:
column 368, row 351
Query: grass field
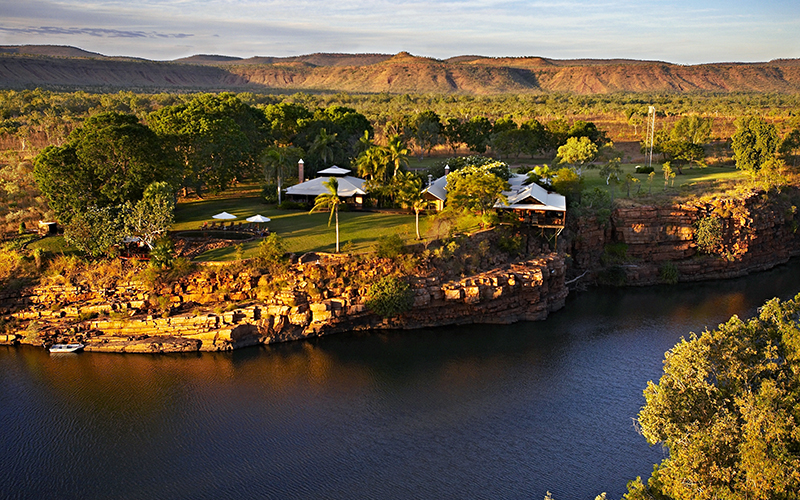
column 301, row 231
column 692, row 181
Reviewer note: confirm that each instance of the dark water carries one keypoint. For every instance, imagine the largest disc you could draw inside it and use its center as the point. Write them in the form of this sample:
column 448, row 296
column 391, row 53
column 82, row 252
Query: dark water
column 495, row 412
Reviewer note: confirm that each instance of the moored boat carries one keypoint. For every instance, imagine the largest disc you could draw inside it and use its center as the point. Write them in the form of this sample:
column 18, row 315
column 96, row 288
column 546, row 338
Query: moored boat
column 66, row 347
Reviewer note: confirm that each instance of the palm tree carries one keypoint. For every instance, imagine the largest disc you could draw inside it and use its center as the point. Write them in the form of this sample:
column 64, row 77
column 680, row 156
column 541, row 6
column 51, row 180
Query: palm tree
column 397, row 153
column 410, row 193
column 323, row 146
column 372, row 164
column 330, row 201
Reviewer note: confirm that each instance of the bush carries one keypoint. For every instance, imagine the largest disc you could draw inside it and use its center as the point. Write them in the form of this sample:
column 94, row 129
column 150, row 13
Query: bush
column 668, row 273
column 613, row 276
column 389, row 246
column 269, row 193
column 293, row 205
column 389, row 297
column 511, row 244
column 272, row 254
column 614, row 253
column 708, row 234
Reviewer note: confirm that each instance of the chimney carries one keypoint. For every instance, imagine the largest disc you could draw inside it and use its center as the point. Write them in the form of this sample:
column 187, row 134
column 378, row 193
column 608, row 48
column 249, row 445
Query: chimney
column 300, row 170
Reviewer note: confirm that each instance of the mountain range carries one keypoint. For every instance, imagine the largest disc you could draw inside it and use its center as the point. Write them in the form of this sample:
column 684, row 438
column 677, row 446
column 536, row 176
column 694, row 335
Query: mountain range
column 48, row 66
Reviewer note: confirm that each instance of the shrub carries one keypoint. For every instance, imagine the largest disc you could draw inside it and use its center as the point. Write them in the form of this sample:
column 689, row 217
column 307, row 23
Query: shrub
column 613, row 276
column 614, row 253
column 292, row 205
column 389, row 297
column 708, row 234
column 389, row 246
column 668, row 273
column 272, row 254
column 162, row 254
column 269, row 193
column 511, row 244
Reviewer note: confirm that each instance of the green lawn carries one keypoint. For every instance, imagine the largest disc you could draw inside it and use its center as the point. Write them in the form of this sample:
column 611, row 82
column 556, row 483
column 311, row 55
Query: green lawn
column 301, row 231
column 692, row 179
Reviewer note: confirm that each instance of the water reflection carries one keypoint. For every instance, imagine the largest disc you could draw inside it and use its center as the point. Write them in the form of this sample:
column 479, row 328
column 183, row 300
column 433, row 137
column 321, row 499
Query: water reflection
column 463, row 412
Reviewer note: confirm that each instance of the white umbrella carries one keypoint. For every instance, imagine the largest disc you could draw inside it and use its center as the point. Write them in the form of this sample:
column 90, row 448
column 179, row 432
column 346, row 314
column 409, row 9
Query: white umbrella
column 258, row 218
column 224, row 215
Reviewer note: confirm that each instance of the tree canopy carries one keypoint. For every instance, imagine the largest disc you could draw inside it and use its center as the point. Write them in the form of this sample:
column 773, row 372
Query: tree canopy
column 754, row 142
column 108, row 161
column 477, row 186
column 218, row 138
column 727, row 409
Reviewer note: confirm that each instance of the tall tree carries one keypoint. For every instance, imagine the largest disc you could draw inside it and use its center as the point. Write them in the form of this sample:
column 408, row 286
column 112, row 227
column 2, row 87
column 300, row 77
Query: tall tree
column 330, row 201
column 754, row 142
column 411, row 196
column 579, row 152
column 108, row 161
column 217, row 138
column 426, row 126
column 323, row 146
column 477, row 187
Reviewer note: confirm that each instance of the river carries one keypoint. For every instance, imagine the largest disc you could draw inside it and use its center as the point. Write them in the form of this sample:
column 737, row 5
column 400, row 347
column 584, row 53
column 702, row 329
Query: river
column 495, row 412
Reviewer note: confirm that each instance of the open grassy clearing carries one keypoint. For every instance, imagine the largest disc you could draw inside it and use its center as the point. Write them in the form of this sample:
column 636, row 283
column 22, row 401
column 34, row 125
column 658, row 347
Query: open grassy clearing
column 707, row 178
column 301, row 231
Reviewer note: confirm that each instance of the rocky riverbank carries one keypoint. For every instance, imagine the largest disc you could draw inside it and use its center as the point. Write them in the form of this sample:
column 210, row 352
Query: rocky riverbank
column 469, row 281
column 221, row 309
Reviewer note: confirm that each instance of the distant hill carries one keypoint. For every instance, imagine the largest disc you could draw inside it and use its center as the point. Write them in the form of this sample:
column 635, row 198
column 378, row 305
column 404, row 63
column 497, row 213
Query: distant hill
column 69, row 67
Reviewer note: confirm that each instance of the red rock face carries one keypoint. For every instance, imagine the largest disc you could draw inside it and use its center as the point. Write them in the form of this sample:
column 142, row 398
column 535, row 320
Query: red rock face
column 759, row 231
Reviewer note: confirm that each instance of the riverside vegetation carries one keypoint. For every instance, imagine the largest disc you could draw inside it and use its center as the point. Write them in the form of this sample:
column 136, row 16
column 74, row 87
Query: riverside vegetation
column 619, row 232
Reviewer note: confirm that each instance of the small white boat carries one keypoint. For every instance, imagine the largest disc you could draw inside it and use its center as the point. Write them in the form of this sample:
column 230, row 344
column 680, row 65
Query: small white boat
column 66, row 347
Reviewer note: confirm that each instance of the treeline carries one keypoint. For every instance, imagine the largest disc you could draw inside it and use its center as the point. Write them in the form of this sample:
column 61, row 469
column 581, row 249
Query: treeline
column 37, row 118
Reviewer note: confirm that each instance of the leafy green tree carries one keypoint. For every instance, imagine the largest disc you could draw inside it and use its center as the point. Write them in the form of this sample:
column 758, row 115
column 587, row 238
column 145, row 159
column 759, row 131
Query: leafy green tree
column 579, row 152
column 754, row 142
column 426, row 126
column 217, row 138
column 580, row 128
column 477, row 187
column 693, row 129
column 286, row 120
column 790, row 146
column 726, row 408
column 534, row 137
column 152, row 216
column 108, row 161
column 476, row 134
column 94, row 230
column 452, row 131
column 567, row 182
column 330, row 201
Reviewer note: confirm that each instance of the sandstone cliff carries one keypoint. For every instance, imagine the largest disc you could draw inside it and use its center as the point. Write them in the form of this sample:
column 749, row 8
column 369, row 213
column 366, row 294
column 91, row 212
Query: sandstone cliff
column 758, row 231
column 223, row 310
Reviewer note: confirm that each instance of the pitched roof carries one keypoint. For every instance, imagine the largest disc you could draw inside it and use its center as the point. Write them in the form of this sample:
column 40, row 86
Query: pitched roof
column 438, row 188
column 348, row 186
column 334, row 170
column 531, row 197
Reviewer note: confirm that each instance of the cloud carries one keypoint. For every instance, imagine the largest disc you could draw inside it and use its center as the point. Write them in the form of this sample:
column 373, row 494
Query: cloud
column 94, row 32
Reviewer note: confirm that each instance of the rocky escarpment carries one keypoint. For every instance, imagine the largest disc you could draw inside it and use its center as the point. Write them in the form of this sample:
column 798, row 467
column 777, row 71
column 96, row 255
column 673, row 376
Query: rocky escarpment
column 218, row 310
column 757, row 232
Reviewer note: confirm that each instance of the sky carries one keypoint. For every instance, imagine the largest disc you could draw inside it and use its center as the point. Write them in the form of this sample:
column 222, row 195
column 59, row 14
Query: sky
column 681, row 31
